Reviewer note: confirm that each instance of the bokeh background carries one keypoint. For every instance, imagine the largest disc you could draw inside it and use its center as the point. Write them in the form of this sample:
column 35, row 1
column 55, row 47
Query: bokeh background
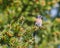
column 17, row 24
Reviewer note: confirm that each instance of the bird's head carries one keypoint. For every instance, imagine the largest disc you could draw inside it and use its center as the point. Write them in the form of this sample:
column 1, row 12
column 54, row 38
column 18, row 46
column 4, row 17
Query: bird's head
column 39, row 16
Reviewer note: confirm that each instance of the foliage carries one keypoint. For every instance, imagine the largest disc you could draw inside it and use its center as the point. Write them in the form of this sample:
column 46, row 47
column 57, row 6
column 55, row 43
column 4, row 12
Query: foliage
column 17, row 18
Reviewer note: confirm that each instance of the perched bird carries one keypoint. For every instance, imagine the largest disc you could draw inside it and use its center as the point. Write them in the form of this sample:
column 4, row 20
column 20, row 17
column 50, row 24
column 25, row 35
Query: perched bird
column 38, row 21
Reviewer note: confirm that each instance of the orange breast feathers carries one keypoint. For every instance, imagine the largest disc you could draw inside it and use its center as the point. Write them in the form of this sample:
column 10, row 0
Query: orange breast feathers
column 39, row 21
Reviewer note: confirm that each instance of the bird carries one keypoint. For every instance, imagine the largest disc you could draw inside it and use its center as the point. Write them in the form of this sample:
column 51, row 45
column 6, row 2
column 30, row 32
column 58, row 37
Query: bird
column 38, row 21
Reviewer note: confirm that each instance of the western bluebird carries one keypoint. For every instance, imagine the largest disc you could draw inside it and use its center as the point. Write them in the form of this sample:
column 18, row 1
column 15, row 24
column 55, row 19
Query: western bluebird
column 38, row 21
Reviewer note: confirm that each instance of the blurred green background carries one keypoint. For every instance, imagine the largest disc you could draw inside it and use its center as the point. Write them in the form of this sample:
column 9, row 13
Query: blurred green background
column 17, row 23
